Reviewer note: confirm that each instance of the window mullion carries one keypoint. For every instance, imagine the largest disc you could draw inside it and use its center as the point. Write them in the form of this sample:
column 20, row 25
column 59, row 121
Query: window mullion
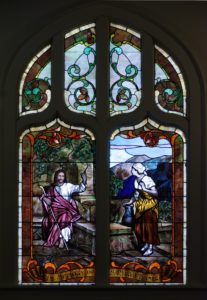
column 102, row 173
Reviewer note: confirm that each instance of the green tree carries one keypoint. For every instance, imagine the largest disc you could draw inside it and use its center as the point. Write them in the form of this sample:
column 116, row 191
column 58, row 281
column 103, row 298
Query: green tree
column 115, row 184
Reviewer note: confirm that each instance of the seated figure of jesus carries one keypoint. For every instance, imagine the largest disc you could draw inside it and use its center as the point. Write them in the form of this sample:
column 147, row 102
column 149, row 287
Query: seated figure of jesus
column 60, row 209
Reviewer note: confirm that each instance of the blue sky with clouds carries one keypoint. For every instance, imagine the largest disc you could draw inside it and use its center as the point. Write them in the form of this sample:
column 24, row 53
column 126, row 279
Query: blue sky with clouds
column 122, row 149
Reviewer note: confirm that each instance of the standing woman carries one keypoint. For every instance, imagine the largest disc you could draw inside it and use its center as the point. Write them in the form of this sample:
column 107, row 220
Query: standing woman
column 146, row 210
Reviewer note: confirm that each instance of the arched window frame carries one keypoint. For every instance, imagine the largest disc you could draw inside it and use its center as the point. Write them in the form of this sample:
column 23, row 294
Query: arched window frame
column 148, row 108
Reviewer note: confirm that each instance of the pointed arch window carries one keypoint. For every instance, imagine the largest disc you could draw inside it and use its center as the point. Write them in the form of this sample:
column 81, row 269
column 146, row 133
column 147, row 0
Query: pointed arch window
column 102, row 126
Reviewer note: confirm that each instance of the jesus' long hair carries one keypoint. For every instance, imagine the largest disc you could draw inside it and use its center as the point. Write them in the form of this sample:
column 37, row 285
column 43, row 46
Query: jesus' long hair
column 57, row 173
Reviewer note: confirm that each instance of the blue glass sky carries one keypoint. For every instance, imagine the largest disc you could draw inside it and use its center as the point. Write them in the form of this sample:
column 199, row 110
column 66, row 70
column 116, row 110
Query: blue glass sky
column 122, row 149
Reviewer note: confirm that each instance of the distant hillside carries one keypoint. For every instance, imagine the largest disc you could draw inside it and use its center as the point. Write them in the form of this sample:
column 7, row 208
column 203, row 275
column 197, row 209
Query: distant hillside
column 153, row 162
column 162, row 177
column 138, row 158
column 149, row 163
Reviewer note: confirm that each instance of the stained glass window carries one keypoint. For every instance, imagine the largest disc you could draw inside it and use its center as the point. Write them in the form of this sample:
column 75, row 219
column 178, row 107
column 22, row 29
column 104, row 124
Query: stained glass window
column 80, row 69
column 170, row 90
column 35, row 86
column 147, row 176
column 125, row 69
column 56, row 205
column 148, row 205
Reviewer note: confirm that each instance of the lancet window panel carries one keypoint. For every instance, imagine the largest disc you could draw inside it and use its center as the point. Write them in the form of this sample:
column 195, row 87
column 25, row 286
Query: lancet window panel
column 125, row 69
column 56, row 205
column 148, row 205
column 80, row 69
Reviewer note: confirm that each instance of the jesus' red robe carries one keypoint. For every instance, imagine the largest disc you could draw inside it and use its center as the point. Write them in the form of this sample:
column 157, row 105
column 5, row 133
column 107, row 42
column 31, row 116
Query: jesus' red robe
column 65, row 212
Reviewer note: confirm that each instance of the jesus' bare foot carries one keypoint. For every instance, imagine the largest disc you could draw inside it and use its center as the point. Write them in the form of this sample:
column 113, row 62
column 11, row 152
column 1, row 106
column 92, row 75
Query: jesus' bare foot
column 61, row 244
